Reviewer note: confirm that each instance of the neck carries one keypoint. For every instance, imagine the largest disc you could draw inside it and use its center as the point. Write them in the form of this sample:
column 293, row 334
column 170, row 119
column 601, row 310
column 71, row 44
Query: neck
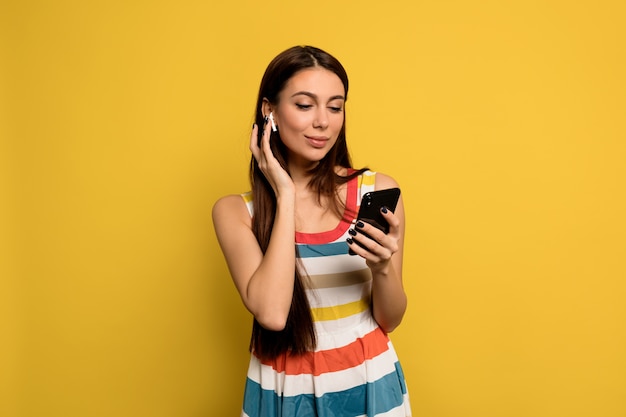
column 301, row 175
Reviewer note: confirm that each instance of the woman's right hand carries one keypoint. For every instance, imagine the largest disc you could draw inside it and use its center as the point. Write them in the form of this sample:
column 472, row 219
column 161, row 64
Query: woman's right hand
column 278, row 178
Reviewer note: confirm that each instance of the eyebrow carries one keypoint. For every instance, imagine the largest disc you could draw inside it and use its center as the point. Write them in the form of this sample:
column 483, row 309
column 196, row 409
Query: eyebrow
column 313, row 96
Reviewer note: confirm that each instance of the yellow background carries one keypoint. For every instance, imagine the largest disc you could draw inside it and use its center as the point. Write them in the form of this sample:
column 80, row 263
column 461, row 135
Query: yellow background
column 123, row 121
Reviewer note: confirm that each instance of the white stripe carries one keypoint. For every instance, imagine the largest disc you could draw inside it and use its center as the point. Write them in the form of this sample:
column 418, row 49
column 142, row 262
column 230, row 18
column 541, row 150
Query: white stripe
column 265, row 376
column 333, row 264
column 346, row 335
column 330, row 297
column 335, row 329
column 370, row 370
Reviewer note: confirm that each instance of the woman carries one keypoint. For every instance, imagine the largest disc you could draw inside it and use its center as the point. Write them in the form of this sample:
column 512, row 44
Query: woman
column 321, row 316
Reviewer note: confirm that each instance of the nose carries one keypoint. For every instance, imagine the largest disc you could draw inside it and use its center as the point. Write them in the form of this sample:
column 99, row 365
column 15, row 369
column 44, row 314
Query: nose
column 321, row 119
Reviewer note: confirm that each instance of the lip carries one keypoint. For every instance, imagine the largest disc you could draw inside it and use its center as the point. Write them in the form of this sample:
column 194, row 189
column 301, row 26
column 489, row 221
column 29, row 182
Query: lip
column 317, row 141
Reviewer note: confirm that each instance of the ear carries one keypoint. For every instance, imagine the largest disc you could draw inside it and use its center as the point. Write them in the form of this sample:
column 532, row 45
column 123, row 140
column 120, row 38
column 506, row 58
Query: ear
column 266, row 107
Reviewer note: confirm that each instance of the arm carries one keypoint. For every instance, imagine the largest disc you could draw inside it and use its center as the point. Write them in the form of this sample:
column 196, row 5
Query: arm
column 384, row 258
column 265, row 282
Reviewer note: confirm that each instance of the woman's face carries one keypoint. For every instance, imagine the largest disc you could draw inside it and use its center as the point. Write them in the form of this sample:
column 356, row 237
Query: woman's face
column 310, row 114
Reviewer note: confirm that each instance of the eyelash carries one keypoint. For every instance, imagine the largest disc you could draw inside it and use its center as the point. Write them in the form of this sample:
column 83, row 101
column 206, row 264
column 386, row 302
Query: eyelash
column 308, row 106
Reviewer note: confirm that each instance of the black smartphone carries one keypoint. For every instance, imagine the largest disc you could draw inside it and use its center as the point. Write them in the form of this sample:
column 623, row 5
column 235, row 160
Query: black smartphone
column 371, row 203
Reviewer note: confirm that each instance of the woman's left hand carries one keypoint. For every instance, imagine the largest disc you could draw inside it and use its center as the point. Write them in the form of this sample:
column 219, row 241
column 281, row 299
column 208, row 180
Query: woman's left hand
column 379, row 247
column 383, row 254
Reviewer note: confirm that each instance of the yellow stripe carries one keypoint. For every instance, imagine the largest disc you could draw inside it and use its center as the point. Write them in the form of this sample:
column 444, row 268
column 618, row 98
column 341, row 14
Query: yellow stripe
column 369, row 179
column 247, row 197
column 340, row 311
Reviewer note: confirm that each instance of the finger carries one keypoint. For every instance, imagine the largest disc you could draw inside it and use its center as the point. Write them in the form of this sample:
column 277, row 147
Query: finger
column 375, row 240
column 355, row 246
column 370, row 251
column 253, row 141
column 374, row 233
column 364, row 239
column 265, row 139
column 257, row 147
column 392, row 219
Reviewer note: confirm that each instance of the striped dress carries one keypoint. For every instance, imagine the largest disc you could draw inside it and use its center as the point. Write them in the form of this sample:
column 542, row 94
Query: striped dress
column 354, row 370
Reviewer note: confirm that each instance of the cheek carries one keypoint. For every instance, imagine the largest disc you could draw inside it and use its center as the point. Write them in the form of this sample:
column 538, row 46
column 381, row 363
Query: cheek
column 338, row 122
column 294, row 121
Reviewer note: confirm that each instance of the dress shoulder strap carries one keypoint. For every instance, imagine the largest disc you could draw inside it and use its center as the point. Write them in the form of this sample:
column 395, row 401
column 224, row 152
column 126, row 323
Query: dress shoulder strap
column 247, row 198
column 367, row 183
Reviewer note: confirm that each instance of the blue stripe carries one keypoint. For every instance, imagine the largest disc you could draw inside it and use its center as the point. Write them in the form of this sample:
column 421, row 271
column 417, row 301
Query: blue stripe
column 401, row 376
column 370, row 399
column 326, row 249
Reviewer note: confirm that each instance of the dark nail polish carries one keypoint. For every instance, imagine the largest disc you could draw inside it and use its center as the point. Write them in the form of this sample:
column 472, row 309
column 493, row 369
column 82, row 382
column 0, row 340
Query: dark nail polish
column 352, row 232
column 349, row 240
column 384, row 210
column 360, row 224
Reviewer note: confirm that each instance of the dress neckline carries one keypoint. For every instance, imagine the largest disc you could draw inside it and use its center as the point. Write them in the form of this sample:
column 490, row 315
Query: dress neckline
column 349, row 214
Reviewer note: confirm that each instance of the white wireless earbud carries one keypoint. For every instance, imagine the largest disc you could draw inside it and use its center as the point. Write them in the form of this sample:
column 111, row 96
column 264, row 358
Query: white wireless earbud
column 271, row 117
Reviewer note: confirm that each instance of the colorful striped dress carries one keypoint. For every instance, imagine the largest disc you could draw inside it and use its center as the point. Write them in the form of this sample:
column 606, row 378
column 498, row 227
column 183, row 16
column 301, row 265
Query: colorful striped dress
column 354, row 370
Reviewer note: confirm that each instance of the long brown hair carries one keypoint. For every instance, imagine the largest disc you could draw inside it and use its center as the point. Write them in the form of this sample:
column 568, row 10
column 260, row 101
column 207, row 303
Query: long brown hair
column 298, row 336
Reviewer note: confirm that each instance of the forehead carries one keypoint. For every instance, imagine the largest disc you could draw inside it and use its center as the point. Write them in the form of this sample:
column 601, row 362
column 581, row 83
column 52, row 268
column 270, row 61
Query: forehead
column 317, row 81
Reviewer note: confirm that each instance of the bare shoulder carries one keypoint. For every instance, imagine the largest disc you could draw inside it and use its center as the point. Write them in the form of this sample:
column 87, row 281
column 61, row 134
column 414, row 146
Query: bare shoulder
column 229, row 209
column 384, row 181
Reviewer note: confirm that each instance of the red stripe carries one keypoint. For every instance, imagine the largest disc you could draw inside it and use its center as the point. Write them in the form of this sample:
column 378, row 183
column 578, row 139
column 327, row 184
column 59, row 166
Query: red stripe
column 332, row 360
column 349, row 214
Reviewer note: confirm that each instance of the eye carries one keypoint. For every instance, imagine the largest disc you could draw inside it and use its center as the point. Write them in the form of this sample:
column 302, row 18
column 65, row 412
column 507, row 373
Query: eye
column 335, row 109
column 303, row 106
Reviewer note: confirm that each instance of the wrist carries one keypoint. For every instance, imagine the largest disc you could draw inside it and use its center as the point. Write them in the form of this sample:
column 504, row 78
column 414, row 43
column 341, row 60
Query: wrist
column 380, row 273
column 382, row 270
column 285, row 199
